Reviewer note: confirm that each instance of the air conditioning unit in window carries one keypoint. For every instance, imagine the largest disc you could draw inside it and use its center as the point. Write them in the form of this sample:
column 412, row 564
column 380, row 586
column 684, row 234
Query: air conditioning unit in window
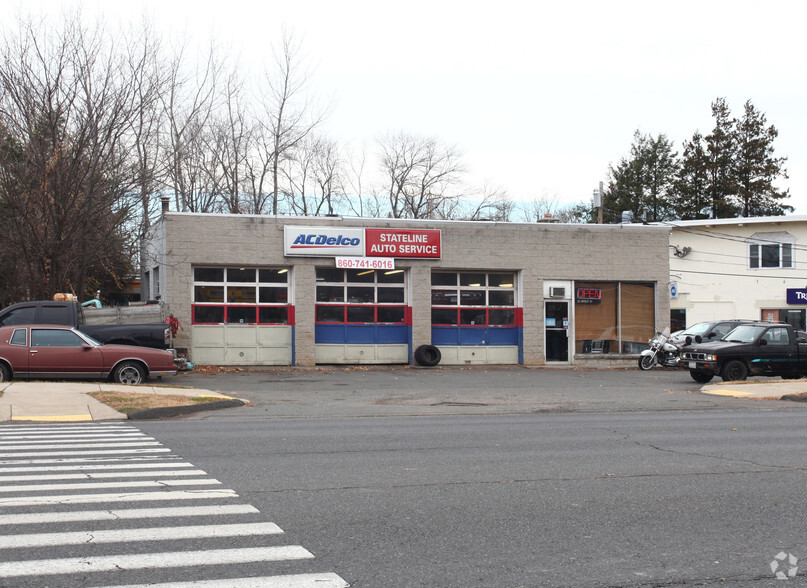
column 557, row 292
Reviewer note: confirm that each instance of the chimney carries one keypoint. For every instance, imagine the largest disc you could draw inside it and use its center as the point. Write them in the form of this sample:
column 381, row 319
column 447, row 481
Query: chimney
column 166, row 200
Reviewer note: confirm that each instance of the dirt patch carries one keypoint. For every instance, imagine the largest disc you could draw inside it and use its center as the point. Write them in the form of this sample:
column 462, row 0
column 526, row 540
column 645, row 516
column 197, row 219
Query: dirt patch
column 127, row 402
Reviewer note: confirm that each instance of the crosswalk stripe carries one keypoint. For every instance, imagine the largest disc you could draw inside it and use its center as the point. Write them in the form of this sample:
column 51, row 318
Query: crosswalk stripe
column 146, row 442
column 99, row 485
column 99, row 476
column 118, row 497
column 50, row 567
column 43, row 429
column 93, row 458
column 107, row 452
column 133, row 467
column 145, row 534
column 17, row 439
column 39, row 518
column 288, row 581
column 88, row 467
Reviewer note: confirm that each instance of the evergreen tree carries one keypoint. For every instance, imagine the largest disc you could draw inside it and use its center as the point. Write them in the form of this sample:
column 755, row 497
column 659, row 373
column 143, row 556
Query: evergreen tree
column 692, row 197
column 757, row 168
column 721, row 151
column 643, row 183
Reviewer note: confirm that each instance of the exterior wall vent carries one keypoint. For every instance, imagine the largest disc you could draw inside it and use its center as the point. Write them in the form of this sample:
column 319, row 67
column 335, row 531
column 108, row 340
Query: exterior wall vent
column 556, row 292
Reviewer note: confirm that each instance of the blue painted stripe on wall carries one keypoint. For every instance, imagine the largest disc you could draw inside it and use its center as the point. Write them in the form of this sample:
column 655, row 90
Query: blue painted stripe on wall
column 477, row 336
column 362, row 334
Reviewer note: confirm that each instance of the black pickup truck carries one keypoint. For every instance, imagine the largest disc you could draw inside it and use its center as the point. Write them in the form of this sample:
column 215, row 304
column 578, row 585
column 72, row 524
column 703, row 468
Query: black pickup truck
column 47, row 312
column 756, row 349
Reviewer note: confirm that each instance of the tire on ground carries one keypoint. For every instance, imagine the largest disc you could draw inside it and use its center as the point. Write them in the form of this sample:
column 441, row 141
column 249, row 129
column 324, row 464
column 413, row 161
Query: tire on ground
column 734, row 371
column 427, row 355
column 5, row 373
column 701, row 377
column 129, row 372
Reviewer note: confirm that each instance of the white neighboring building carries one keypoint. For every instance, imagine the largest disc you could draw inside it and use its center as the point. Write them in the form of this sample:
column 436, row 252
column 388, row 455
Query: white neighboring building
column 746, row 268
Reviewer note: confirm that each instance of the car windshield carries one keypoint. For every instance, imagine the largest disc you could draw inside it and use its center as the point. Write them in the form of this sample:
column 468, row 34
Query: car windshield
column 744, row 334
column 697, row 329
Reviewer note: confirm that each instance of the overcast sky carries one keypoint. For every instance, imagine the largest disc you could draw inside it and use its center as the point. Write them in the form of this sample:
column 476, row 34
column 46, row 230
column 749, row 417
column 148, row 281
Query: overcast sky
column 539, row 96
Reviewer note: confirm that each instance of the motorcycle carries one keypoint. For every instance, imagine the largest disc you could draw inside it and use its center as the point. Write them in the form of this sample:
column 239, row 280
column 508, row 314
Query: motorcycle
column 661, row 352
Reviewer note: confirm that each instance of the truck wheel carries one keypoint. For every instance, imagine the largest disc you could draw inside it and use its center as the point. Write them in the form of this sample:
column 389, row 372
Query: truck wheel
column 5, row 373
column 701, row 377
column 646, row 362
column 129, row 372
column 428, row 355
column 734, row 371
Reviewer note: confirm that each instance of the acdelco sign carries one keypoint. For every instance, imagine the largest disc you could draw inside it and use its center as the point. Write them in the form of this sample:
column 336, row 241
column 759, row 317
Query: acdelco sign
column 324, row 241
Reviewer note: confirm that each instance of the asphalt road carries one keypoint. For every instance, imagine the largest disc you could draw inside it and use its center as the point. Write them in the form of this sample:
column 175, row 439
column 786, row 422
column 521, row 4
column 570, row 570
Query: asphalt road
column 512, row 477
column 687, row 498
column 352, row 392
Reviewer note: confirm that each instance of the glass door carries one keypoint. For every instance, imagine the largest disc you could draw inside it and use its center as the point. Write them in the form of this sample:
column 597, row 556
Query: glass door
column 556, row 330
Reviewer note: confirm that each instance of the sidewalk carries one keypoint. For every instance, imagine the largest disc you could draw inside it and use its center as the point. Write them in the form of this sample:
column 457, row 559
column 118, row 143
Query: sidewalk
column 68, row 402
column 769, row 389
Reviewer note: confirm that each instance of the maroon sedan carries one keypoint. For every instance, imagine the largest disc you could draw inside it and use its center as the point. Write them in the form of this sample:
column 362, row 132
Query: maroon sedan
column 54, row 351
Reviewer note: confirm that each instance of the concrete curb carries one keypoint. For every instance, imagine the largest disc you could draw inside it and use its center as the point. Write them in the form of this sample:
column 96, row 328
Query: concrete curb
column 165, row 412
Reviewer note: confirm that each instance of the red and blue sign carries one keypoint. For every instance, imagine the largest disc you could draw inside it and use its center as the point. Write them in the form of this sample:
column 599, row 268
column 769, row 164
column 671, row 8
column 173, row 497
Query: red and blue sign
column 342, row 242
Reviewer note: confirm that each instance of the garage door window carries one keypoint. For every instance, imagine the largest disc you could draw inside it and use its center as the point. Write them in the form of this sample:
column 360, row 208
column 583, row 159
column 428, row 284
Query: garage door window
column 241, row 295
column 360, row 296
column 474, row 298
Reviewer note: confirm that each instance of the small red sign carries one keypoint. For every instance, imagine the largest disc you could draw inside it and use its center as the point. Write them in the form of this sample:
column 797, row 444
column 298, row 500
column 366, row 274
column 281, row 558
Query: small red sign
column 424, row 243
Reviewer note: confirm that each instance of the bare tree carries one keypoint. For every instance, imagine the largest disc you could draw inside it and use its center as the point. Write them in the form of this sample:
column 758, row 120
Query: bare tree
column 421, row 174
column 66, row 106
column 145, row 68
column 296, row 173
column 354, row 185
column 189, row 104
column 328, row 174
column 485, row 203
column 288, row 115
column 259, row 191
column 230, row 143
column 550, row 207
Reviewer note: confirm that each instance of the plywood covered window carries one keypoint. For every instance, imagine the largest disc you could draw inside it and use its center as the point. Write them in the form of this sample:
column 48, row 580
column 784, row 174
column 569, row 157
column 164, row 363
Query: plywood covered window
column 613, row 317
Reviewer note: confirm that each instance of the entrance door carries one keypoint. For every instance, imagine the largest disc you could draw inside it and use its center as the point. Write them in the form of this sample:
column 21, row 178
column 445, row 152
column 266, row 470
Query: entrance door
column 556, row 330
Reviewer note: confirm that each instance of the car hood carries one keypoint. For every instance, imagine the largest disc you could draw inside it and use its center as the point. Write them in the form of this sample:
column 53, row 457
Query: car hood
column 711, row 346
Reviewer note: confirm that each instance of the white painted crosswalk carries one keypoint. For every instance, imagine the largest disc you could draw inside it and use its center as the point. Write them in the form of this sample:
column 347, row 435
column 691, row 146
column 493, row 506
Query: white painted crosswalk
column 101, row 505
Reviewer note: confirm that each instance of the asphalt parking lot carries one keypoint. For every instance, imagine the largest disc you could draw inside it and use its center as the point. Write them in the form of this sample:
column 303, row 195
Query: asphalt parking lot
column 404, row 391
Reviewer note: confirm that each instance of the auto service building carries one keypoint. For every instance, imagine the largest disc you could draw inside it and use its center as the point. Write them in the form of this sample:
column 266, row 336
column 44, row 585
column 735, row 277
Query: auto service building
column 276, row 290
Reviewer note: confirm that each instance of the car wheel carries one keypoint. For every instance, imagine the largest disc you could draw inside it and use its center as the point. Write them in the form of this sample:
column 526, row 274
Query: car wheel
column 734, row 371
column 129, row 372
column 701, row 377
column 5, row 373
column 428, row 355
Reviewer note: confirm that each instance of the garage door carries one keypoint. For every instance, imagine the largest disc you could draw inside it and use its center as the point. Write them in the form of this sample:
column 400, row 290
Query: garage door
column 242, row 344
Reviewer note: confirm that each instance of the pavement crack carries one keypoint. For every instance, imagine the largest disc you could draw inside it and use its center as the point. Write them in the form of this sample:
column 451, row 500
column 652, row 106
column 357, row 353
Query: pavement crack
column 627, row 437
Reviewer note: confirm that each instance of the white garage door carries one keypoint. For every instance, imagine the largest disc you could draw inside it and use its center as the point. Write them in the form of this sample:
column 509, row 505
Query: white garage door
column 241, row 344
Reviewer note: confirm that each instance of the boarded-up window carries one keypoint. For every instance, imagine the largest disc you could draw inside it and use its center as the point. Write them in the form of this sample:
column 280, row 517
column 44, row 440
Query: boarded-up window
column 613, row 317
